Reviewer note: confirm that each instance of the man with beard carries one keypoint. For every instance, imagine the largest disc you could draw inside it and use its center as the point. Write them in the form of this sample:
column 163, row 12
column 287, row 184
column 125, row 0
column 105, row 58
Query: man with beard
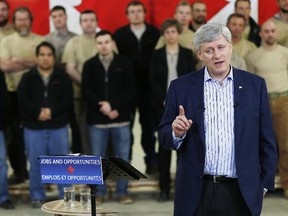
column 5, row 27
column 199, row 13
column 17, row 57
column 252, row 29
column 270, row 61
column 281, row 21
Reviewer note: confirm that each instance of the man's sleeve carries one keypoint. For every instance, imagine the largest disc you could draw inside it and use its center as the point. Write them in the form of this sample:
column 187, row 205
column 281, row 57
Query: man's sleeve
column 5, row 49
column 69, row 54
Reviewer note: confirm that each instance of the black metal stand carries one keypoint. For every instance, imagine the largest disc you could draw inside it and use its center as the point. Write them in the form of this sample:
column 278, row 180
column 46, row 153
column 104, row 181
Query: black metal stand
column 93, row 199
column 114, row 168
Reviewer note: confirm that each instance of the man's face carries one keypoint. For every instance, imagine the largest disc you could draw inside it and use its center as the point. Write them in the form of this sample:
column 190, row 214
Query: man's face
column 216, row 56
column 183, row 15
column 171, row 35
column 59, row 19
column 199, row 13
column 243, row 8
column 135, row 14
column 88, row 23
column 268, row 33
column 45, row 58
column 3, row 14
column 22, row 23
column 104, row 45
column 236, row 26
column 283, row 5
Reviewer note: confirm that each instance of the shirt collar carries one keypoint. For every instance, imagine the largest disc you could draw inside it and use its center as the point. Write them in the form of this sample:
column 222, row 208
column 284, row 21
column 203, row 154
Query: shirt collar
column 108, row 58
column 207, row 76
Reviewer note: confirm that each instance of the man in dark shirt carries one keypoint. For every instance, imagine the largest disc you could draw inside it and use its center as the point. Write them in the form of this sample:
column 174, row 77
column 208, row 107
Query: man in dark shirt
column 45, row 95
column 137, row 41
column 5, row 201
column 252, row 29
column 108, row 87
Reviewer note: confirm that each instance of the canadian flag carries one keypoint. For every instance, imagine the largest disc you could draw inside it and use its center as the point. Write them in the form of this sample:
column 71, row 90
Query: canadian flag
column 111, row 13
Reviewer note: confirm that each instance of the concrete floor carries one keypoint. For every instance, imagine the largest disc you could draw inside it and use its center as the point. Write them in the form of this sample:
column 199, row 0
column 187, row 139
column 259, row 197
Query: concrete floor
column 146, row 204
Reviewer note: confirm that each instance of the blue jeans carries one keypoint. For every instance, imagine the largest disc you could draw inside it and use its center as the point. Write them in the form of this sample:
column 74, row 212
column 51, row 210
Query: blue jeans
column 121, row 138
column 4, row 194
column 43, row 142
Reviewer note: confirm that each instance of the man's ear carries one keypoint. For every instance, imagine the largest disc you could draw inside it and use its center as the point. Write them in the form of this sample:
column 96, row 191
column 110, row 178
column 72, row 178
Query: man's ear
column 199, row 54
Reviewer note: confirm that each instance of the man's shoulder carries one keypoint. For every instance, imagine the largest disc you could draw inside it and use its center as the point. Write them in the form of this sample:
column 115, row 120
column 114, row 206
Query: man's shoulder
column 256, row 52
column 248, row 43
column 75, row 40
column 30, row 73
column 121, row 59
column 185, row 50
column 190, row 78
column 10, row 37
column 36, row 36
column 282, row 48
column 151, row 28
column 122, row 30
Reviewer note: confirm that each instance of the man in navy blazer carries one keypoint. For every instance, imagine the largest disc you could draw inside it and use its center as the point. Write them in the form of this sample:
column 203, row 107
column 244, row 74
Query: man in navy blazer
column 219, row 121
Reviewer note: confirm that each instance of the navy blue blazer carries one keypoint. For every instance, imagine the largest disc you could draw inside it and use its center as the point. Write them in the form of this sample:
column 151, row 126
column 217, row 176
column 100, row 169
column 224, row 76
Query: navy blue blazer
column 256, row 152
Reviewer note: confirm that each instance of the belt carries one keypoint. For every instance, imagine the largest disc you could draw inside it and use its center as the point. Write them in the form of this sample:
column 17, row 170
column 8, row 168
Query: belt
column 277, row 95
column 219, row 179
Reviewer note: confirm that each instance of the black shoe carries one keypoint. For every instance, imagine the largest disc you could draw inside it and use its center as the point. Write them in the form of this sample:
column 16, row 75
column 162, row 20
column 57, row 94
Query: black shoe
column 36, row 203
column 152, row 169
column 164, row 196
column 15, row 179
column 7, row 205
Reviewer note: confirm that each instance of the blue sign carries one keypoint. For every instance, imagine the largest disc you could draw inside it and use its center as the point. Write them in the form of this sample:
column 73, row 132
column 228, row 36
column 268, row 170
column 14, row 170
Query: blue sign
column 71, row 169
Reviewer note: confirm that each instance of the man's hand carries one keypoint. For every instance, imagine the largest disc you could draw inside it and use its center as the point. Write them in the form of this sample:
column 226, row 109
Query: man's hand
column 113, row 114
column 181, row 124
column 45, row 114
column 105, row 107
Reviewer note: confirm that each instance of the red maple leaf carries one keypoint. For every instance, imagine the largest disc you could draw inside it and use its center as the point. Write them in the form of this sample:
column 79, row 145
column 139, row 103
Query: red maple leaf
column 266, row 9
column 70, row 169
column 157, row 10
column 111, row 13
column 213, row 7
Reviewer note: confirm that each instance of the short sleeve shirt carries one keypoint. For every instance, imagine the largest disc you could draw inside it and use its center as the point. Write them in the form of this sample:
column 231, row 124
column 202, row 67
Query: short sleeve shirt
column 16, row 46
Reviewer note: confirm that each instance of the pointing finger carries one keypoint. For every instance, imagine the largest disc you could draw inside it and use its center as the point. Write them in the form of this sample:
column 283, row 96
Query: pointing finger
column 181, row 111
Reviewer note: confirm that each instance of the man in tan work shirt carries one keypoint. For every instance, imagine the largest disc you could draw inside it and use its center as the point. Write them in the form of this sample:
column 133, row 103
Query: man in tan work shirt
column 76, row 52
column 281, row 21
column 270, row 61
column 236, row 24
column 17, row 53
column 183, row 16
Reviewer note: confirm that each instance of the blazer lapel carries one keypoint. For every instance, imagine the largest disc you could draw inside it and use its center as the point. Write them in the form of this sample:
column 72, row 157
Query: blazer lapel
column 198, row 101
column 239, row 89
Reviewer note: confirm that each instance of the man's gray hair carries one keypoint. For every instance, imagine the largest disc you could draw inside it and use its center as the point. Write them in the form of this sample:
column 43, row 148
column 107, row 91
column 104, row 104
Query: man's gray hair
column 211, row 32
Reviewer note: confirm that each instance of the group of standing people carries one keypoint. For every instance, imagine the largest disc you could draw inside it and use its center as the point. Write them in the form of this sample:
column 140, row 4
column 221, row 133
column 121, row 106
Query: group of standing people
column 95, row 83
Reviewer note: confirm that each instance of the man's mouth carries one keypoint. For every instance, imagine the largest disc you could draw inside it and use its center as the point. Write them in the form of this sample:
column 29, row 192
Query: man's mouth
column 219, row 63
